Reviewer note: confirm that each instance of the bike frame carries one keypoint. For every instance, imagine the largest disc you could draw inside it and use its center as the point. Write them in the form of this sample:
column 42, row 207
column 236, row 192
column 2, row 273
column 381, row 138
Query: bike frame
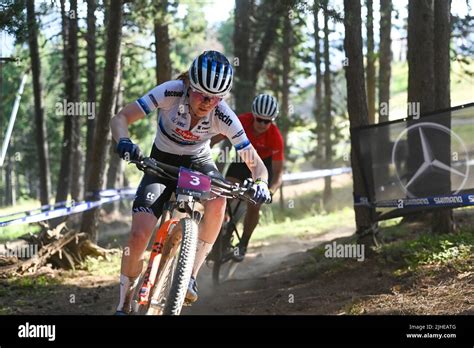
column 182, row 205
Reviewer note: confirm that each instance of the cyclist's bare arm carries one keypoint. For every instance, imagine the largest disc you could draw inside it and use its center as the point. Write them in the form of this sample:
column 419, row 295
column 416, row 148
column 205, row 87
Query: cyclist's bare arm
column 217, row 139
column 254, row 162
column 119, row 123
column 277, row 168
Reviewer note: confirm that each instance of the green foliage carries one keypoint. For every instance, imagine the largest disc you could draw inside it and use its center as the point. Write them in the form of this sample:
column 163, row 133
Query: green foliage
column 430, row 249
column 103, row 266
column 13, row 19
column 305, row 205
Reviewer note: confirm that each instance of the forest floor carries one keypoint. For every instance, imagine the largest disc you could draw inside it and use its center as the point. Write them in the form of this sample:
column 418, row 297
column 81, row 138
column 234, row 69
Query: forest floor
column 411, row 272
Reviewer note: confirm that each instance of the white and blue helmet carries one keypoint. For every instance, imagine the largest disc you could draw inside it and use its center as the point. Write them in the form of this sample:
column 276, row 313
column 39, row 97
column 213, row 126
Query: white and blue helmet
column 265, row 106
column 211, row 73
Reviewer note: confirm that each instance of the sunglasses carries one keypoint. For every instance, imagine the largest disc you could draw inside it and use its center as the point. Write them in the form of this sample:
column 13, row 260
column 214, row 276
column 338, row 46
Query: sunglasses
column 204, row 97
column 261, row 120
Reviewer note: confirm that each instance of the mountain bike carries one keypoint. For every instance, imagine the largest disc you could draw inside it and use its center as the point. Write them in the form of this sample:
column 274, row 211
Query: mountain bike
column 162, row 288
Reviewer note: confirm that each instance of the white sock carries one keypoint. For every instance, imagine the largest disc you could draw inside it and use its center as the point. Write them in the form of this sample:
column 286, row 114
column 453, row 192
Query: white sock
column 127, row 285
column 202, row 250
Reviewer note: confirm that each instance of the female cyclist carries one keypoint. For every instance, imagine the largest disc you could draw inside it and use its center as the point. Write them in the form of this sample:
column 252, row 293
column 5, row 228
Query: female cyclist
column 191, row 112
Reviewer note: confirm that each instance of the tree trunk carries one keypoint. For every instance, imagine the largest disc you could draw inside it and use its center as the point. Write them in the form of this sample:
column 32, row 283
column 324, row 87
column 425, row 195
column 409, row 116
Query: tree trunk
column 356, row 101
column 443, row 220
column 370, row 62
column 91, row 82
column 385, row 69
column 2, row 182
column 327, row 107
column 41, row 133
column 318, row 110
column 252, row 50
column 162, row 43
column 77, row 177
column 420, row 80
column 243, row 83
column 64, row 176
column 385, row 59
column 420, row 54
column 114, row 178
column 109, row 91
column 284, row 119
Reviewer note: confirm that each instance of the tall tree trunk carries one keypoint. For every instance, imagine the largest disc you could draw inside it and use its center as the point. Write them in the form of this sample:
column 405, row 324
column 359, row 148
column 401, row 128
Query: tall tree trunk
column 327, row 106
column 40, row 124
column 243, row 82
column 114, row 178
column 91, row 82
column 284, row 119
column 109, row 91
column 443, row 220
column 318, row 110
column 77, row 177
column 2, row 169
column 385, row 70
column 370, row 62
column 162, row 43
column 420, row 54
column 356, row 101
column 385, row 59
column 64, row 176
column 420, row 80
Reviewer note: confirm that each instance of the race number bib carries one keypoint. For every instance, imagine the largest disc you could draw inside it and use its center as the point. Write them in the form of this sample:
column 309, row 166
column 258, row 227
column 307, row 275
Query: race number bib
column 193, row 183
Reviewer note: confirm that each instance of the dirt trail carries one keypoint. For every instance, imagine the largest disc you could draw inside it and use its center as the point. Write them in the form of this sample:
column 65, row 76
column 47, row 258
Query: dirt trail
column 254, row 275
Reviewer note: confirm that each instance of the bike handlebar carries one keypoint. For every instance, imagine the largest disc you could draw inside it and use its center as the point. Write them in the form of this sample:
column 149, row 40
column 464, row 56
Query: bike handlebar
column 218, row 186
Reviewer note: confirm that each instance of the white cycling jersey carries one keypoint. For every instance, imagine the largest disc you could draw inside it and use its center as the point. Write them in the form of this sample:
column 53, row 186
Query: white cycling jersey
column 173, row 134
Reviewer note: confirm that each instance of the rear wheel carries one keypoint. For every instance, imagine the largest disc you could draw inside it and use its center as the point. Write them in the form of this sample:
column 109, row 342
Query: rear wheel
column 223, row 247
column 179, row 251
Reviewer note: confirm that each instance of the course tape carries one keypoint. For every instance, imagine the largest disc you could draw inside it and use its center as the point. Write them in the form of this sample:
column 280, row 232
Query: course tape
column 52, row 211
column 435, row 201
column 67, row 208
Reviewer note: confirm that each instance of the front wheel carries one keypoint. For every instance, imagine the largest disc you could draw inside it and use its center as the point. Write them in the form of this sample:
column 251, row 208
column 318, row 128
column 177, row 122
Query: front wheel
column 179, row 252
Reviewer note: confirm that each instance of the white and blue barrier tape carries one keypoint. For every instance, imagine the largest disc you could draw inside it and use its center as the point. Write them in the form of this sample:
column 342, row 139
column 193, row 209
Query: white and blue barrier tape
column 62, row 209
column 452, row 200
column 52, row 211
column 315, row 174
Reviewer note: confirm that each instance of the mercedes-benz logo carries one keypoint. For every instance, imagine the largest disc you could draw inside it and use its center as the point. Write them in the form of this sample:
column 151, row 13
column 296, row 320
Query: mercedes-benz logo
column 430, row 161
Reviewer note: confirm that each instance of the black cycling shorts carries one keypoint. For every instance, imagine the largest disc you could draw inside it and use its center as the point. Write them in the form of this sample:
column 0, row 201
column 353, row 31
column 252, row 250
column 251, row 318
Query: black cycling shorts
column 239, row 170
column 153, row 192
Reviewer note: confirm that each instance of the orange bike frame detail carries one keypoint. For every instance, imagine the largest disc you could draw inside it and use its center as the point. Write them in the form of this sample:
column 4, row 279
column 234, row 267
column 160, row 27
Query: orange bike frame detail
column 152, row 269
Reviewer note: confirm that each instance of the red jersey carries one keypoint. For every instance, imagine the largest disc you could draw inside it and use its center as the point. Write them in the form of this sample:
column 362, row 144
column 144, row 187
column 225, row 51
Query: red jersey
column 268, row 144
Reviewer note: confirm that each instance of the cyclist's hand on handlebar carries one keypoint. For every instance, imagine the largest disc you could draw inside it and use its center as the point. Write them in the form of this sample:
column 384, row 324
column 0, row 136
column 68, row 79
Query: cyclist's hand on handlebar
column 129, row 151
column 262, row 194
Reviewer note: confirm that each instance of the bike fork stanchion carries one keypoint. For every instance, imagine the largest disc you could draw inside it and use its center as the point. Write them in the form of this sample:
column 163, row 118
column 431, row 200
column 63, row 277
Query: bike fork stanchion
column 153, row 263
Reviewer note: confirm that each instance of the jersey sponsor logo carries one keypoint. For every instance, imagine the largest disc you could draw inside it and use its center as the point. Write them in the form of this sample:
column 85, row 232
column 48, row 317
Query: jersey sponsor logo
column 181, row 124
column 185, row 134
column 239, row 133
column 223, row 117
column 173, row 93
column 203, row 128
column 153, row 99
